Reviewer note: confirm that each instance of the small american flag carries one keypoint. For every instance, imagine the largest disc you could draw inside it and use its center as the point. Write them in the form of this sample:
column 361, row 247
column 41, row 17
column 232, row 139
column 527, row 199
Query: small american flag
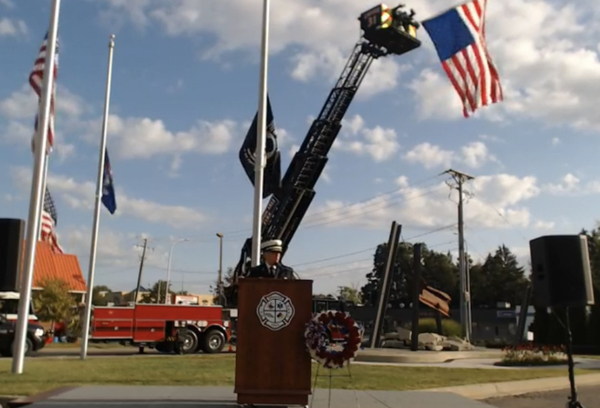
column 48, row 234
column 49, row 206
column 35, row 80
column 459, row 38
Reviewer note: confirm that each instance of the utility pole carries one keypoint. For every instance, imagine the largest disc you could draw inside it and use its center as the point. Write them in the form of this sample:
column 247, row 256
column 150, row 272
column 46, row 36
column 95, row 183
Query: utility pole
column 139, row 282
column 220, row 277
column 465, row 295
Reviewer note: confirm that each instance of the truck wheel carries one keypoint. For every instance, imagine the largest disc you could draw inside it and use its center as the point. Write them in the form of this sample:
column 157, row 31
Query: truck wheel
column 190, row 342
column 213, row 341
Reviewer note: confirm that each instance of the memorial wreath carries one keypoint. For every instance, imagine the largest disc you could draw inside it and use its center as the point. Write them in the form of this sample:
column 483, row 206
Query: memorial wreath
column 333, row 338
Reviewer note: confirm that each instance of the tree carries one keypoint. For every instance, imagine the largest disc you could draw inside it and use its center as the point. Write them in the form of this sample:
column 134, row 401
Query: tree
column 502, row 279
column 349, row 294
column 154, row 296
column 228, row 282
column 53, row 303
column 437, row 271
column 398, row 293
column 98, row 298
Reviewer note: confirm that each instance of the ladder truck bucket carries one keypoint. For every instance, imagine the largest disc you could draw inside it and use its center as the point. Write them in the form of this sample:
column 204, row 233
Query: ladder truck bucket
column 391, row 28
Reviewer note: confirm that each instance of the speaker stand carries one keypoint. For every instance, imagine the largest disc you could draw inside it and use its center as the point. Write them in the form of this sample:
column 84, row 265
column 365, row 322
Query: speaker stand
column 573, row 402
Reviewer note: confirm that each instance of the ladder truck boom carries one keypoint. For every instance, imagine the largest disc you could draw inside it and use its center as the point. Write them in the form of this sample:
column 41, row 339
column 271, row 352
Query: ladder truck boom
column 385, row 31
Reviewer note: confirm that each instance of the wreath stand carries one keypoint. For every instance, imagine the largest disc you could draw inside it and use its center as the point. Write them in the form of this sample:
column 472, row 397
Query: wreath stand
column 331, row 375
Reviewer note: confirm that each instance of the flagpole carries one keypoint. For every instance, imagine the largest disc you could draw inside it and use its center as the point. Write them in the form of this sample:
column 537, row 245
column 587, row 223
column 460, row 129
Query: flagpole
column 94, row 244
column 259, row 156
column 35, row 204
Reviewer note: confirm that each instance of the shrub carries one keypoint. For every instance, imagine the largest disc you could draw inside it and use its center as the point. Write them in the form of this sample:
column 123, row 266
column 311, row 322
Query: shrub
column 449, row 327
column 530, row 355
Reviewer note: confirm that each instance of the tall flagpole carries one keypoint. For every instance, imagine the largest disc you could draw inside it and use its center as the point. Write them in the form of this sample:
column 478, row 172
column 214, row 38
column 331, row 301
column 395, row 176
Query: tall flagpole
column 35, row 203
column 94, row 244
column 259, row 155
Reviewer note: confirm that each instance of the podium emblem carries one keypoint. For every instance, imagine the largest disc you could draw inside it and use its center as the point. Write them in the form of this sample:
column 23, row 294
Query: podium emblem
column 275, row 311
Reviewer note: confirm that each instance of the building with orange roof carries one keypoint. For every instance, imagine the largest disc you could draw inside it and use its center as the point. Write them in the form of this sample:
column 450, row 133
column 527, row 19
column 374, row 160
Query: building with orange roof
column 52, row 265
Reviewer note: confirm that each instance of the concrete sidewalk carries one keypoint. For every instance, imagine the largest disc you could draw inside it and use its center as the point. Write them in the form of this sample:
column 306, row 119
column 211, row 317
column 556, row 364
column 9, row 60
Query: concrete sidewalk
column 223, row 397
column 461, row 396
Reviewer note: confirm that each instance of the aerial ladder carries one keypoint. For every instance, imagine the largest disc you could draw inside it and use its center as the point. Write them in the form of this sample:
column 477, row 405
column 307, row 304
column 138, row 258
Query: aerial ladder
column 385, row 31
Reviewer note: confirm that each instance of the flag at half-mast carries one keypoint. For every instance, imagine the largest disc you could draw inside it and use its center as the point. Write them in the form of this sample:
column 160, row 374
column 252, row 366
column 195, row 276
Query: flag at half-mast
column 272, row 172
column 459, row 38
column 108, row 189
column 36, row 79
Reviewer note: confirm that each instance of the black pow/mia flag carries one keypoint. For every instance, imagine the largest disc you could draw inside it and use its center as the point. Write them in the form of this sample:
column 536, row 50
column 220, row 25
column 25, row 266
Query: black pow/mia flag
column 272, row 173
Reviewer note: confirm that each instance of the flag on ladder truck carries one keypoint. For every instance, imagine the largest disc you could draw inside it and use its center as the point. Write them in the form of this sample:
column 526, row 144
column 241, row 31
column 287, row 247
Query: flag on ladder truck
column 459, row 38
column 272, row 174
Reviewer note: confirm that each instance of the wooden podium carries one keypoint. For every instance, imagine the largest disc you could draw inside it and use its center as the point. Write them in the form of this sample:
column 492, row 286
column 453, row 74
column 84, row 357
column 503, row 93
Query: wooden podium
column 272, row 364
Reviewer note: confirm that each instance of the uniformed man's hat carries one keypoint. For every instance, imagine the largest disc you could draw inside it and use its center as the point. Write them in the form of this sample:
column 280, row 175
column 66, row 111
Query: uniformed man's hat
column 273, row 245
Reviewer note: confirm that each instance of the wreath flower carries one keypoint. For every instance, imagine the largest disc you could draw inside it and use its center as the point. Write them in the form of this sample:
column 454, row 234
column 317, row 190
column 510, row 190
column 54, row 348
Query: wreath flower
column 333, row 338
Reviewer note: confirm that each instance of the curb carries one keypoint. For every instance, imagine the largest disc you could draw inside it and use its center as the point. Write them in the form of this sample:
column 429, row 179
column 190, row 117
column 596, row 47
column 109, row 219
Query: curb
column 512, row 388
column 401, row 356
column 5, row 399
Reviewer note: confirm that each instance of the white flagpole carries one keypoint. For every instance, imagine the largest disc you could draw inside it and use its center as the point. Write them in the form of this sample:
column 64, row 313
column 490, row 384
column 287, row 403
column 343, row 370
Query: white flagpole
column 99, row 182
column 259, row 155
column 35, row 204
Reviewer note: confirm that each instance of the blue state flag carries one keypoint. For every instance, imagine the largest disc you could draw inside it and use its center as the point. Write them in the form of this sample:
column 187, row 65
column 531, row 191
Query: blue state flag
column 108, row 189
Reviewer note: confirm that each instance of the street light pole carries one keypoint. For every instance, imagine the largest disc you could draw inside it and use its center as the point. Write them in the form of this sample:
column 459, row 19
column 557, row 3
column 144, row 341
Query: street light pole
column 169, row 266
column 220, row 278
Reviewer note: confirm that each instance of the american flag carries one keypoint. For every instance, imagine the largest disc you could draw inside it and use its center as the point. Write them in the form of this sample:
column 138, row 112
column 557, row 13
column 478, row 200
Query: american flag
column 459, row 38
column 35, row 80
column 48, row 234
column 49, row 206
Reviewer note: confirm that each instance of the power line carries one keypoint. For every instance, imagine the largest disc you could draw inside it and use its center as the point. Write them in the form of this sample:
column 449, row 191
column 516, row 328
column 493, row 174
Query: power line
column 247, row 231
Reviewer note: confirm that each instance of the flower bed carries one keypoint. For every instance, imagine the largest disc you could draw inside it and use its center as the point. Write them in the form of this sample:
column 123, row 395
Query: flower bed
column 531, row 355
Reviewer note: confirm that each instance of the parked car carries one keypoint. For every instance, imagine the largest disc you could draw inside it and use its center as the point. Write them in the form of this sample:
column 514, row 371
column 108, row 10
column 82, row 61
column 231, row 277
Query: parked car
column 35, row 340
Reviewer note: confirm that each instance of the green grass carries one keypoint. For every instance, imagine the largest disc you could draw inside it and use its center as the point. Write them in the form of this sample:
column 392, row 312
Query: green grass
column 218, row 370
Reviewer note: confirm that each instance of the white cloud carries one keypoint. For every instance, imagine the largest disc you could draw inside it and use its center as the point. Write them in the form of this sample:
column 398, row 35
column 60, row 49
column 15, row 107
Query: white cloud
column 145, row 137
column 379, row 143
column 497, row 202
column 12, row 28
column 473, row 155
column 322, row 32
column 23, row 104
column 20, row 108
column 7, row 3
column 544, row 225
column 429, row 155
column 572, row 185
column 114, row 249
column 80, row 196
column 555, row 141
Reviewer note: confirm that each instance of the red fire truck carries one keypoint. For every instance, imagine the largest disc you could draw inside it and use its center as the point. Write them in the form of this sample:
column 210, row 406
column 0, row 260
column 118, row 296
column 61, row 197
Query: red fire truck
column 205, row 328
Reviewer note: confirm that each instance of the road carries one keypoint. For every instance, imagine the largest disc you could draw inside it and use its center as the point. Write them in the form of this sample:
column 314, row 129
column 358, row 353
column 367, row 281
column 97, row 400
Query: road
column 589, row 397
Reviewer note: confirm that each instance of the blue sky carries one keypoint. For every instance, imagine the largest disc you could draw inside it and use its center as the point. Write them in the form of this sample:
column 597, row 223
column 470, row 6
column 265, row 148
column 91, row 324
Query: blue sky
column 185, row 87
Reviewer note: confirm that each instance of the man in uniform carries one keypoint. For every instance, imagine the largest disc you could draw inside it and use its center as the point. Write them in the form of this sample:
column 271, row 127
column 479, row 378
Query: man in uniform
column 270, row 266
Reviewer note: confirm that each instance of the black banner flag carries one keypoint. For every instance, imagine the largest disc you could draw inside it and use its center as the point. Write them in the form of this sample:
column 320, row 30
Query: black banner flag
column 272, row 173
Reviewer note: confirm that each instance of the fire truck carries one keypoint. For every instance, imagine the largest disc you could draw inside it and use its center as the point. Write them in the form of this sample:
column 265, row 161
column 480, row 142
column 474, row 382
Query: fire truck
column 165, row 328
